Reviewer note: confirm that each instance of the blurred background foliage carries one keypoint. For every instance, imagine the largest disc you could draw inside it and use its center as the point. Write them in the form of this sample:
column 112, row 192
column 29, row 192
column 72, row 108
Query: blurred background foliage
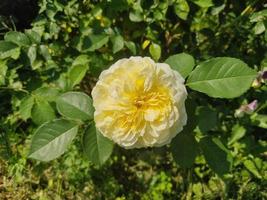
column 53, row 46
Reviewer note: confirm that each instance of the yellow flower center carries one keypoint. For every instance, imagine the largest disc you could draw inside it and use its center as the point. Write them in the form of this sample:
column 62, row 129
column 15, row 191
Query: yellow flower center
column 146, row 106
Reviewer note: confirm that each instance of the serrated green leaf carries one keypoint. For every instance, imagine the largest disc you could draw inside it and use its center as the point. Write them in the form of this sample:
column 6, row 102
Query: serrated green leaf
column 117, row 42
column 217, row 156
column 18, row 38
column 182, row 62
column 9, row 49
column 25, row 108
column 75, row 105
column 42, row 112
column 222, row 77
column 52, row 139
column 97, row 148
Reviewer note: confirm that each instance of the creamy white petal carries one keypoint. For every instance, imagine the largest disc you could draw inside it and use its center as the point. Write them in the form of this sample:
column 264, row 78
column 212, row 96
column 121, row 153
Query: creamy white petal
column 139, row 103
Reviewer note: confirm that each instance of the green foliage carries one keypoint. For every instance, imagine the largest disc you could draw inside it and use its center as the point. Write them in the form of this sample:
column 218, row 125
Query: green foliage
column 97, row 148
column 183, row 63
column 67, row 46
column 222, row 77
column 52, row 139
column 75, row 105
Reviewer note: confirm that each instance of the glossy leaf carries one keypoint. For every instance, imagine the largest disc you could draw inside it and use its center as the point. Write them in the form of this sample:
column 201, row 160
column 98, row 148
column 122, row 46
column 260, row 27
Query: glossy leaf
column 52, row 139
column 97, row 148
column 75, row 105
column 222, row 77
column 183, row 63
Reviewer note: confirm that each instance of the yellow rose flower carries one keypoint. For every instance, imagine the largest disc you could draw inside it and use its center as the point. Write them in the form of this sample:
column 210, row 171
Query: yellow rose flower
column 139, row 103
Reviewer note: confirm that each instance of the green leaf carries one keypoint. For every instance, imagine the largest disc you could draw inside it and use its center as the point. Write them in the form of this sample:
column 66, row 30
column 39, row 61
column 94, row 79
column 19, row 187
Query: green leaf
column 207, row 119
column 131, row 46
column 259, row 28
column 3, row 72
column 250, row 165
column 18, row 38
column 32, row 54
column 184, row 149
column 203, row 3
column 155, row 51
column 81, row 60
column 25, row 108
column 222, row 77
column 182, row 62
column 117, row 42
column 181, row 9
column 259, row 120
column 9, row 49
column 136, row 16
column 52, row 139
column 45, row 52
column 42, row 112
column 75, row 105
column 258, row 16
column 33, row 36
column 97, row 148
column 77, row 73
column 94, row 42
column 237, row 133
column 47, row 92
column 217, row 156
